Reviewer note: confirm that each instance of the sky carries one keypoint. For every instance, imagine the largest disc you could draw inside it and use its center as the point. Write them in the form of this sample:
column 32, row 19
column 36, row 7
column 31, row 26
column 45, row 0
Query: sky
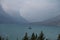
column 33, row 10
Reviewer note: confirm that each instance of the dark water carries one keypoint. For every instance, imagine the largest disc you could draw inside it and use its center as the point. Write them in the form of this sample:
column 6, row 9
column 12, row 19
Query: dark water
column 12, row 31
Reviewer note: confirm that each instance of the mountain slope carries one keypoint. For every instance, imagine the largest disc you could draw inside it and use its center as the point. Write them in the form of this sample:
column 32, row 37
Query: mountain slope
column 52, row 21
column 5, row 18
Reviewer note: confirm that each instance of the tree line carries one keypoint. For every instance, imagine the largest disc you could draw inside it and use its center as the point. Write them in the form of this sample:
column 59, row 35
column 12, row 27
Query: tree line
column 37, row 37
column 33, row 37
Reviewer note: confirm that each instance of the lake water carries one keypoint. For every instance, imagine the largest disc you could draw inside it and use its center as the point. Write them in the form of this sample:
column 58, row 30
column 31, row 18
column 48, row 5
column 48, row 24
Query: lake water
column 13, row 31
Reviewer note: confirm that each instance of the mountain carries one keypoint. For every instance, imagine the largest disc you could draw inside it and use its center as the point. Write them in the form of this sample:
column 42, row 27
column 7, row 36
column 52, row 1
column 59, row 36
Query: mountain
column 52, row 21
column 5, row 18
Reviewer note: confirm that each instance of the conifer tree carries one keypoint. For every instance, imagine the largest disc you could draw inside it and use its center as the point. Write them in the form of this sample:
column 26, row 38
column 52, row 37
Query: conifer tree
column 41, row 36
column 0, row 37
column 36, row 36
column 58, row 37
column 7, row 38
column 17, row 38
column 25, row 37
column 33, row 37
column 46, row 39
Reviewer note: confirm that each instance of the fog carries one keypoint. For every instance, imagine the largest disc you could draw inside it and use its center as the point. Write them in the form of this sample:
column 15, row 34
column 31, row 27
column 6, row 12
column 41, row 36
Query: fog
column 33, row 10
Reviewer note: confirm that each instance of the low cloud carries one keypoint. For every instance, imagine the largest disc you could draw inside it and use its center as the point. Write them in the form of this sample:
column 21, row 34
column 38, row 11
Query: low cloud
column 33, row 10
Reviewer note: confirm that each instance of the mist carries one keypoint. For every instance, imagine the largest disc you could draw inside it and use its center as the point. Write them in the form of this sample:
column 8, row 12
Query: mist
column 33, row 10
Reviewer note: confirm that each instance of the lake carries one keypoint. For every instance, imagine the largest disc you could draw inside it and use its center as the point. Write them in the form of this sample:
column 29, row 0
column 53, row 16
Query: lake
column 13, row 31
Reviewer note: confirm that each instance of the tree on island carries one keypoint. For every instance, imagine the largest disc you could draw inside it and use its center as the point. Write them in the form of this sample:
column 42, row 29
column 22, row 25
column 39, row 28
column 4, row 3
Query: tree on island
column 33, row 37
column 58, row 37
column 25, row 37
column 41, row 36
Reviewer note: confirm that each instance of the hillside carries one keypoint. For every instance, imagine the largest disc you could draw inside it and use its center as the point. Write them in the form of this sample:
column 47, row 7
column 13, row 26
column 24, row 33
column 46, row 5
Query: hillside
column 52, row 21
column 5, row 18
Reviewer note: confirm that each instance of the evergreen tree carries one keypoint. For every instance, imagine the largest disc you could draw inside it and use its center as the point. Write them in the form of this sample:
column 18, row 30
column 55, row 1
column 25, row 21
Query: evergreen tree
column 41, row 36
column 46, row 39
column 7, row 38
column 25, row 37
column 0, row 37
column 58, row 37
column 33, row 37
column 36, row 36
column 17, row 38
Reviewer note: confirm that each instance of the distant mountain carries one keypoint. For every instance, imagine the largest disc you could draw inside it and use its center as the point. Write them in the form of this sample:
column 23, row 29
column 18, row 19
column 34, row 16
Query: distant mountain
column 52, row 21
column 5, row 18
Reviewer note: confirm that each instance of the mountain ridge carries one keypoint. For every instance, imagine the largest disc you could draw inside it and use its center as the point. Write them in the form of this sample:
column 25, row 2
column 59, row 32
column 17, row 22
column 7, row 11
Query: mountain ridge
column 5, row 18
column 52, row 21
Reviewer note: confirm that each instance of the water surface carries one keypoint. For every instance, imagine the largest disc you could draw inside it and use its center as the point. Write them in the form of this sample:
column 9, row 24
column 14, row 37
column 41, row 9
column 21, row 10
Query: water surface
column 13, row 31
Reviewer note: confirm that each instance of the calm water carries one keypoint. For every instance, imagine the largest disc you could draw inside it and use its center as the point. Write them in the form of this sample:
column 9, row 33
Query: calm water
column 13, row 31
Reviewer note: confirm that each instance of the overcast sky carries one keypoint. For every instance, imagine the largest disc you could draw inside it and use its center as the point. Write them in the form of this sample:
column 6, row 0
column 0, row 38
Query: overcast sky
column 33, row 10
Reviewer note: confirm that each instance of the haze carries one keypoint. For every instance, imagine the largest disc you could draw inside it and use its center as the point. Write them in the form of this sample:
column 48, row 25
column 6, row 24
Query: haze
column 33, row 10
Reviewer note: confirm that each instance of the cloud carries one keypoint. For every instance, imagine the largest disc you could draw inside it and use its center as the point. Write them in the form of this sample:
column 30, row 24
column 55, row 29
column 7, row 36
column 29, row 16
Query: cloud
column 33, row 10
column 39, row 10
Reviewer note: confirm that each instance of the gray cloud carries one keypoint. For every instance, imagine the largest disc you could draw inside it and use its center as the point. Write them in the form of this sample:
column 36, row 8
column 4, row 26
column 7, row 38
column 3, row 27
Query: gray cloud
column 33, row 10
